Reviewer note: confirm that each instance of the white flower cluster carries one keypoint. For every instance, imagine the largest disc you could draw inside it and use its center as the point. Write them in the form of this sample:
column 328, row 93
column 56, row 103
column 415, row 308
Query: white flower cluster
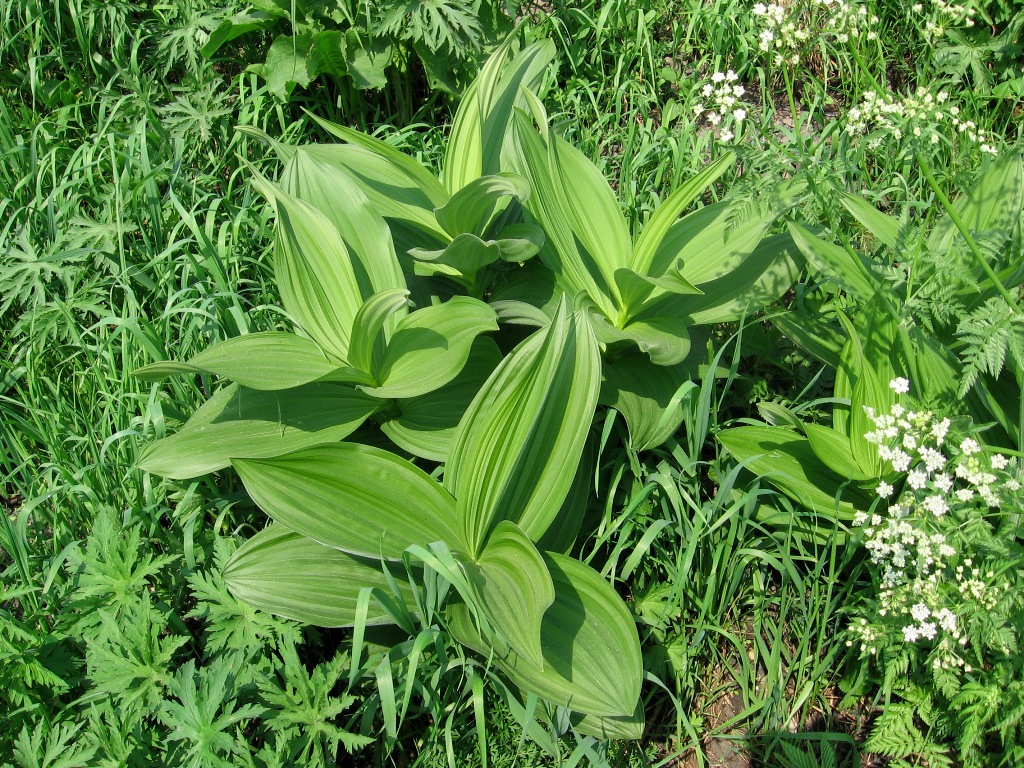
column 724, row 111
column 943, row 14
column 784, row 27
column 921, row 115
column 922, row 583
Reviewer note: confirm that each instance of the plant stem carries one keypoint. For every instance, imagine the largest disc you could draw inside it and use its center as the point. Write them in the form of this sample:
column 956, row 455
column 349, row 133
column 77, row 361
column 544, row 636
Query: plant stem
column 958, row 223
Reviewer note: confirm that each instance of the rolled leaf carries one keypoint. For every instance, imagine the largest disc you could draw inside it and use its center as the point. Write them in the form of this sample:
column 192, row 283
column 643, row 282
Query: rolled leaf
column 592, row 661
column 430, row 346
column 426, row 424
column 269, row 360
column 524, row 429
column 511, row 587
column 469, row 210
column 354, row 498
column 246, row 423
column 289, row 575
column 367, row 346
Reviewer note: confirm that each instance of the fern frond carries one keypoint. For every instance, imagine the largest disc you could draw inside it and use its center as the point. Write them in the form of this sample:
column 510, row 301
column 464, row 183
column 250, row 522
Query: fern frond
column 990, row 334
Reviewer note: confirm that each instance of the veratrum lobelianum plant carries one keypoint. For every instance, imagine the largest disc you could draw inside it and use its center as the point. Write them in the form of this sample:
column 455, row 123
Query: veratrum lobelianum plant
column 362, row 231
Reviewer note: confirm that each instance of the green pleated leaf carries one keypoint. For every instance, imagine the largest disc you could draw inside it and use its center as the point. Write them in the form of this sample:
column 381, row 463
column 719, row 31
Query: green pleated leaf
column 592, row 661
column 467, row 254
column 367, row 346
column 245, row 423
column 629, row 728
column 833, row 448
column 484, row 113
column 313, row 271
column 426, row 424
column 885, row 228
column 562, row 252
column 511, row 587
column 591, row 208
column 666, row 214
column 470, row 209
column 525, row 427
column 787, row 461
column 318, row 175
column 352, row 497
column 665, row 338
column 647, row 395
column 519, row 242
column 269, row 360
column 760, row 278
column 289, row 575
column 430, row 346
column 385, row 171
column 851, row 272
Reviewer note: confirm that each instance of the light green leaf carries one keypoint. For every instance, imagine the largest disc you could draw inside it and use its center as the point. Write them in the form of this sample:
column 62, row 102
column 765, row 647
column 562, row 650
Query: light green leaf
column 787, row 461
column 469, row 210
column 759, row 279
column 592, row 661
column 629, row 728
column 511, row 587
column 386, row 172
column 426, row 424
column 354, row 498
column 885, row 228
column 483, row 116
column 850, row 272
column 269, row 360
column 664, row 338
column 647, row 395
column 368, row 59
column 666, row 214
column 524, row 428
column 246, row 423
column 430, row 346
column 520, row 242
column 467, row 254
column 561, row 253
column 289, row 575
column 833, row 448
column 367, row 343
column 319, row 176
column 313, row 271
column 590, row 206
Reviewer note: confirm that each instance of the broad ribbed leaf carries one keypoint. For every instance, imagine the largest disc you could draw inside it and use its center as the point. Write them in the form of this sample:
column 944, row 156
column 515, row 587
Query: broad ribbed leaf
column 787, row 461
column 483, row 116
column 713, row 241
column 289, row 575
column 664, row 338
column 469, row 210
column 630, row 728
column 591, row 208
column 430, row 346
column 851, row 272
column 367, row 345
column 885, row 228
column 760, row 278
column 316, row 175
column 516, row 449
column 833, row 448
column 665, row 215
column 592, row 660
column 467, row 254
column 314, row 273
column 247, row 423
column 269, row 360
column 562, row 252
column 354, row 498
column 394, row 170
column 519, row 242
column 512, row 588
column 426, row 424
column 647, row 395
